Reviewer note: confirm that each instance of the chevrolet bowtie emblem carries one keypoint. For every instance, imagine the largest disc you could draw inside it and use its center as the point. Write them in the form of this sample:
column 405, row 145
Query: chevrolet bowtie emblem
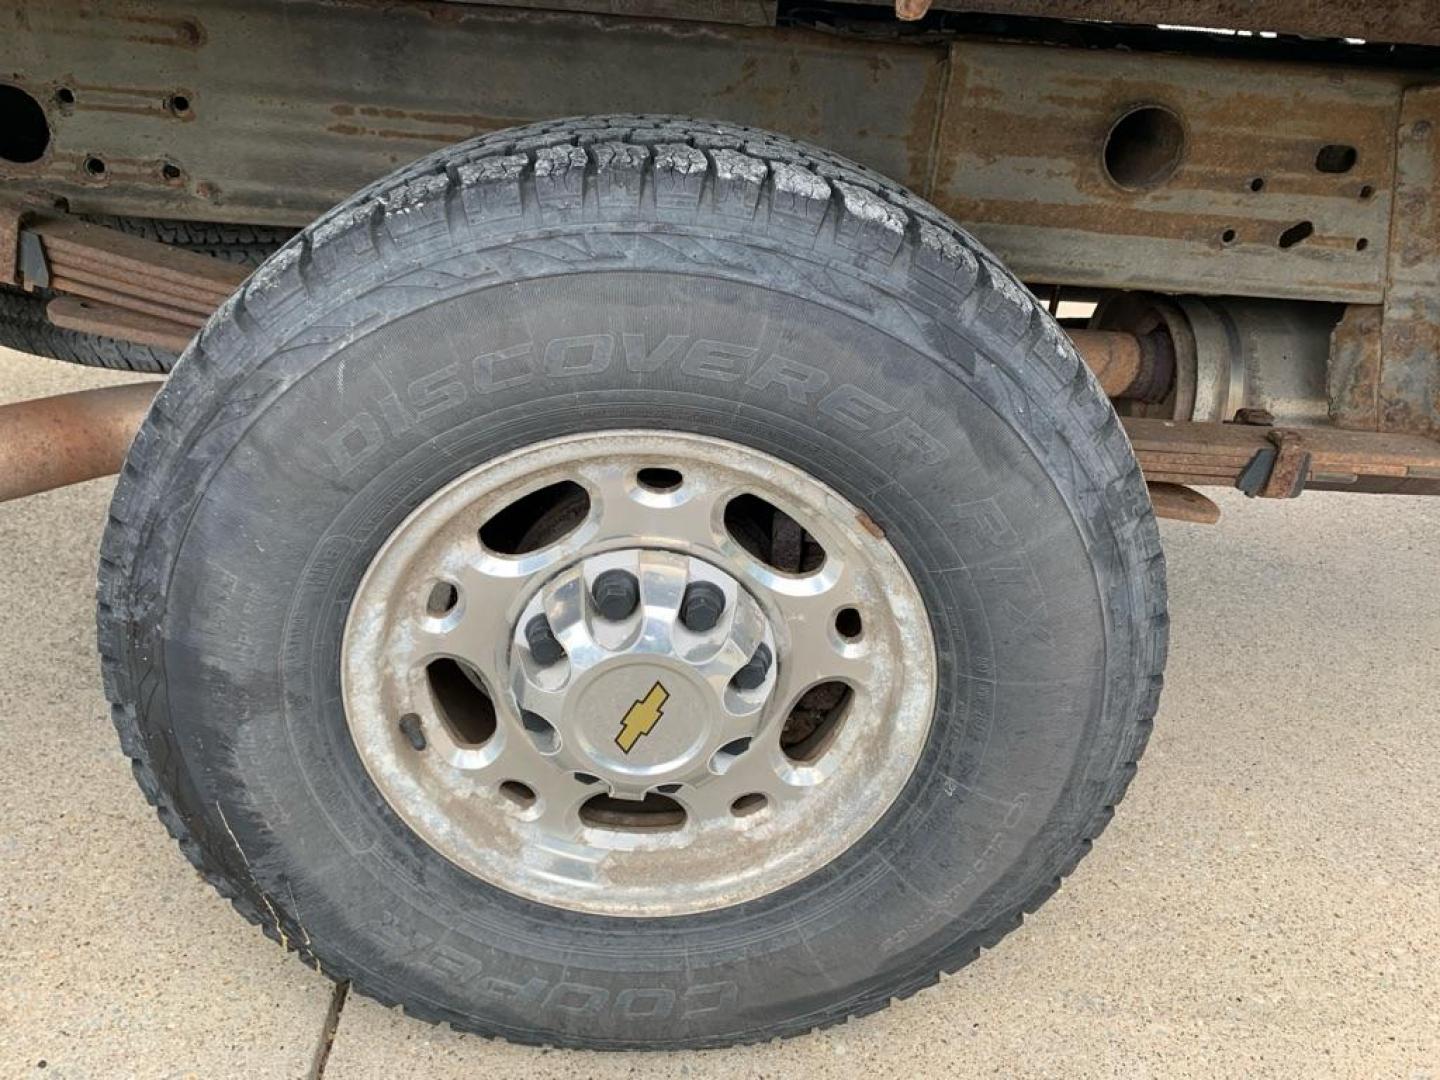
column 641, row 718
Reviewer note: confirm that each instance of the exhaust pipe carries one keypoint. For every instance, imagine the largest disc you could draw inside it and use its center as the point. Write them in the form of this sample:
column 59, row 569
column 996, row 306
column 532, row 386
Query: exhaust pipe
column 51, row 442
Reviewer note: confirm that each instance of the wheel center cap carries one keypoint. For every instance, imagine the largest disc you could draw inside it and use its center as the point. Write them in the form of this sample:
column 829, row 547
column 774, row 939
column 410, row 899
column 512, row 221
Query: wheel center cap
column 642, row 668
column 640, row 718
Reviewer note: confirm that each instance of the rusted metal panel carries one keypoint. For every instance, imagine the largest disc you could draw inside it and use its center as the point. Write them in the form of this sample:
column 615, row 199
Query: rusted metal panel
column 1394, row 21
column 1409, row 393
column 1007, row 138
column 1354, row 369
column 348, row 91
column 1021, row 160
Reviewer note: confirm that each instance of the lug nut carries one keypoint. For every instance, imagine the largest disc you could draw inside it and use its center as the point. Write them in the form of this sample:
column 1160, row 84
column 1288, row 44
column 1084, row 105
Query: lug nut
column 544, row 646
column 756, row 668
column 702, row 606
column 616, row 594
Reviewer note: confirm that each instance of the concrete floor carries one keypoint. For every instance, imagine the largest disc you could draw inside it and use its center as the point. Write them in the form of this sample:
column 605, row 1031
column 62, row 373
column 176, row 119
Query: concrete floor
column 1267, row 902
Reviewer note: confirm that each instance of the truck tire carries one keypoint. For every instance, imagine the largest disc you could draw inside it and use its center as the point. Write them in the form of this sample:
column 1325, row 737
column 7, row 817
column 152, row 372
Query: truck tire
column 633, row 582
column 24, row 327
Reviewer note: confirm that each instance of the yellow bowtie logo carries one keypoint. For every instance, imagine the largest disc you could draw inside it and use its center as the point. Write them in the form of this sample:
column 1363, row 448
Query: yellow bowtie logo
column 641, row 718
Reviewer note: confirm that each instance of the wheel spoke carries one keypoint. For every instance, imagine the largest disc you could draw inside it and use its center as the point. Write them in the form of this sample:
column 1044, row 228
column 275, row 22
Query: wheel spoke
column 560, row 798
column 622, row 509
column 755, row 772
column 813, row 650
column 809, row 661
column 488, row 594
column 511, row 753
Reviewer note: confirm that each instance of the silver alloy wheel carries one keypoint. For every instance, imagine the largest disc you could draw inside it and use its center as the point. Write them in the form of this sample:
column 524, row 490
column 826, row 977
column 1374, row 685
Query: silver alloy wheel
column 707, row 724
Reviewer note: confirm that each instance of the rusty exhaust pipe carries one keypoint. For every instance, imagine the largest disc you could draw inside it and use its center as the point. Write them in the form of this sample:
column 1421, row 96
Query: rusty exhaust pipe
column 51, row 442
column 1113, row 356
column 1127, row 365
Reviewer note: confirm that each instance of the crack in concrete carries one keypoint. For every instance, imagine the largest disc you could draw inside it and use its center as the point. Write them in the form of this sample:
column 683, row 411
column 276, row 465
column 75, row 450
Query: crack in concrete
column 327, row 1031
